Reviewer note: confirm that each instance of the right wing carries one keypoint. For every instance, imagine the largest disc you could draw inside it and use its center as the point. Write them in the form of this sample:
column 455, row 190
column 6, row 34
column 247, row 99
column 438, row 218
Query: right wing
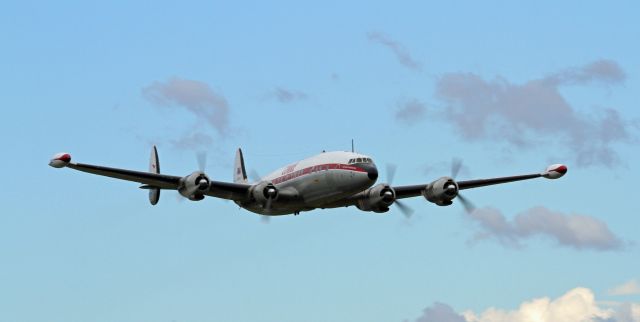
column 218, row 189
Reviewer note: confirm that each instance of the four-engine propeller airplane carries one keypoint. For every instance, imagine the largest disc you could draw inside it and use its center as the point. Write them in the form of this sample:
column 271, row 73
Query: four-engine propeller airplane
column 327, row 180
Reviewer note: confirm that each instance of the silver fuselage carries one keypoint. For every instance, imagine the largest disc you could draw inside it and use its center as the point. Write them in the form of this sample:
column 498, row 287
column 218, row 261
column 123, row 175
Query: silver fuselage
column 323, row 181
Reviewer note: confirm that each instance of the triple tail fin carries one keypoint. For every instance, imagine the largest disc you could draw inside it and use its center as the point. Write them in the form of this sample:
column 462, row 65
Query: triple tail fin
column 154, row 167
column 239, row 171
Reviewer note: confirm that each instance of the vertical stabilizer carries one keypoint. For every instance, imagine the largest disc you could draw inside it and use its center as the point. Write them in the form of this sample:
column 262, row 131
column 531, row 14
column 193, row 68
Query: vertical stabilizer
column 239, row 172
column 154, row 167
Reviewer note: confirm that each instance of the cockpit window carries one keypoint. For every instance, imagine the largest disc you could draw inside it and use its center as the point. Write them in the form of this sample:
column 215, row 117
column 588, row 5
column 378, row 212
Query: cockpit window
column 360, row 160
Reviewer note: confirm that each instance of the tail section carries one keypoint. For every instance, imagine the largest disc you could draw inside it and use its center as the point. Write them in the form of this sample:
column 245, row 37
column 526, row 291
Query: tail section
column 239, row 171
column 154, row 167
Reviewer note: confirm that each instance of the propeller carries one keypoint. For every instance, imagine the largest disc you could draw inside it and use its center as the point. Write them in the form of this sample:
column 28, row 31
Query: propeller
column 270, row 193
column 404, row 209
column 456, row 166
column 180, row 197
column 468, row 206
column 202, row 160
column 254, row 176
column 391, row 172
column 202, row 182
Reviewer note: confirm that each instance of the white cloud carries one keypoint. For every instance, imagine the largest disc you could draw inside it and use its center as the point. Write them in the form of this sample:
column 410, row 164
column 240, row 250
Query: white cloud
column 577, row 305
column 628, row 312
column 440, row 312
column 532, row 113
column 194, row 96
column 410, row 112
column 573, row 230
column 629, row 288
column 193, row 141
column 403, row 56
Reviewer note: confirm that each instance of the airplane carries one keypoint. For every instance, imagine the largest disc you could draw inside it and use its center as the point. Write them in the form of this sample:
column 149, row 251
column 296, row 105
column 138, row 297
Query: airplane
column 326, row 180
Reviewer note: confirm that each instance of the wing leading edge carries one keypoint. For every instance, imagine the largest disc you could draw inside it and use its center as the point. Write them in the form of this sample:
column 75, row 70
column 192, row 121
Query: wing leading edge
column 552, row 172
column 218, row 189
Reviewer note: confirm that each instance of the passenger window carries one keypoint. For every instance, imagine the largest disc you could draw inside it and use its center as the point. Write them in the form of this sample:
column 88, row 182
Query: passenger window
column 359, row 160
column 350, row 161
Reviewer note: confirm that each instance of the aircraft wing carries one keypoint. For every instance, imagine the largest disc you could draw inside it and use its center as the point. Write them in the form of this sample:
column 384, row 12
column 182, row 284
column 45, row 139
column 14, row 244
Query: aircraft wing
column 446, row 184
column 416, row 190
column 151, row 180
column 440, row 192
column 162, row 181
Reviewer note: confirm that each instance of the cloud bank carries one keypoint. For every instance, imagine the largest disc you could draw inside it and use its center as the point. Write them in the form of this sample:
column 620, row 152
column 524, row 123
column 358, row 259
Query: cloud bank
column 410, row 112
column 523, row 114
column 577, row 305
column 440, row 312
column 403, row 56
column 574, row 230
column 629, row 288
column 194, row 141
column 198, row 99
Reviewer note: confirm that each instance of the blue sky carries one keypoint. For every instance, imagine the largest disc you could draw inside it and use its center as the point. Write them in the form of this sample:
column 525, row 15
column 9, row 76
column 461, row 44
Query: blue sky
column 538, row 83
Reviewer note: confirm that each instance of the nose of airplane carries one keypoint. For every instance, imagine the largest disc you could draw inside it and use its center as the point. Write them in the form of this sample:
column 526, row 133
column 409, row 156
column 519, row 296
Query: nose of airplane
column 372, row 172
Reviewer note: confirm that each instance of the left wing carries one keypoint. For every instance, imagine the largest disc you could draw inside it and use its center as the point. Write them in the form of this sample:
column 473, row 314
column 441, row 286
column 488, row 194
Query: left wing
column 441, row 191
column 194, row 186
column 446, row 184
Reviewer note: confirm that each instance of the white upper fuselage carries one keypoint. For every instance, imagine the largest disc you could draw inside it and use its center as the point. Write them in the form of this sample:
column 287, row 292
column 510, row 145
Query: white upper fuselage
column 320, row 181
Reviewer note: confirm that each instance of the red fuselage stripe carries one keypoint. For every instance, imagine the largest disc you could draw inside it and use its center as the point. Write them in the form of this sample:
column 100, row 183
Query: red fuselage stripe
column 316, row 168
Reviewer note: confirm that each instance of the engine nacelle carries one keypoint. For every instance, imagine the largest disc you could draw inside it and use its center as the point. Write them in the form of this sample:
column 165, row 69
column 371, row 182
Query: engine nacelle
column 194, row 186
column 264, row 191
column 441, row 191
column 377, row 199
